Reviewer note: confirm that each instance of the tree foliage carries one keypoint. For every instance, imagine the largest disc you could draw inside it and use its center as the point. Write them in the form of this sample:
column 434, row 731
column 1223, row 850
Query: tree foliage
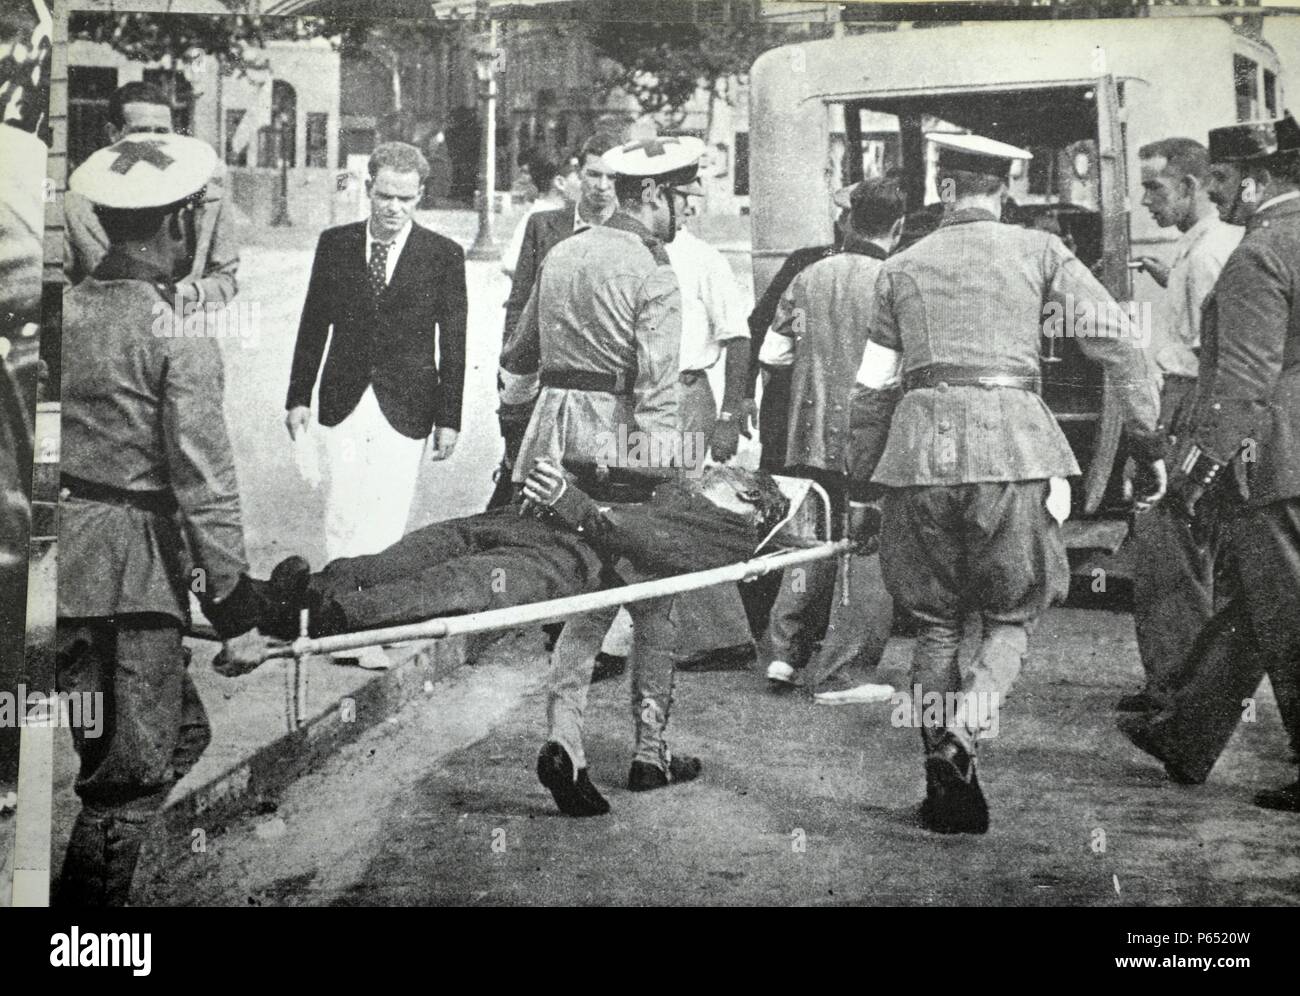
column 663, row 64
column 173, row 37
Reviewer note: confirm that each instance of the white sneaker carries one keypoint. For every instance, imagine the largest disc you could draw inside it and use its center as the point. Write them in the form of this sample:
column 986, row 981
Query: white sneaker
column 780, row 672
column 856, row 696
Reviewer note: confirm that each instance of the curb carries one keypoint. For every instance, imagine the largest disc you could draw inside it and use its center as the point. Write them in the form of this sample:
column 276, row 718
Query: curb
column 258, row 779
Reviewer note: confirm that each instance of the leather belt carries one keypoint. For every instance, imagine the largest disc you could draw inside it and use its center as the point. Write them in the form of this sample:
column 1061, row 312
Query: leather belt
column 155, row 502
column 587, row 380
column 690, row 377
column 943, row 375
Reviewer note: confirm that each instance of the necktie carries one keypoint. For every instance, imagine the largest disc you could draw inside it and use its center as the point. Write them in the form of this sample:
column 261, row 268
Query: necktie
column 378, row 268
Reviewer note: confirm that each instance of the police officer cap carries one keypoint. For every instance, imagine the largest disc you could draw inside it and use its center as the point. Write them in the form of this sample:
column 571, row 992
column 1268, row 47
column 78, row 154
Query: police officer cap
column 145, row 171
column 669, row 158
column 1254, row 140
column 976, row 154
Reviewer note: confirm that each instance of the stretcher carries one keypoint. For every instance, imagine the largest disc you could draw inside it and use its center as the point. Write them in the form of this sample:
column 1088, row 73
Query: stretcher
column 804, row 535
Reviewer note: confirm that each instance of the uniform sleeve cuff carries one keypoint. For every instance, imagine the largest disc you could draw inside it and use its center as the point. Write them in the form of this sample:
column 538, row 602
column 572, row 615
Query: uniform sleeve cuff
column 237, row 613
column 574, row 505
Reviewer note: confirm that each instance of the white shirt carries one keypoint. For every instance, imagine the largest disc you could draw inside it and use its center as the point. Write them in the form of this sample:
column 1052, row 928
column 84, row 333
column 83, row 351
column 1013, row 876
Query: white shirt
column 394, row 250
column 712, row 310
column 1198, row 258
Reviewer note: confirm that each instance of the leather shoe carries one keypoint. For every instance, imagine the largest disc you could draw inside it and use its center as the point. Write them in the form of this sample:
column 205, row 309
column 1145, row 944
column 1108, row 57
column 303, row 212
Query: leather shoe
column 954, row 802
column 1141, row 702
column 286, row 595
column 575, row 795
column 608, row 666
column 1286, row 798
column 645, row 776
column 1137, row 728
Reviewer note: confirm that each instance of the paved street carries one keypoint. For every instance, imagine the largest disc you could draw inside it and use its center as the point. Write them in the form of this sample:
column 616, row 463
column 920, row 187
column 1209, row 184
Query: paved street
column 797, row 804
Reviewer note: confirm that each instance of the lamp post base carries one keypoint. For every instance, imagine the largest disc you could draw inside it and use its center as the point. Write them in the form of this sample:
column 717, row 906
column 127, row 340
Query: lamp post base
column 486, row 246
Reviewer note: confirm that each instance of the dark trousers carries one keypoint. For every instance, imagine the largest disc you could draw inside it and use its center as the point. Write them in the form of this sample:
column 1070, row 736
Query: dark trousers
column 487, row 561
column 989, row 550
column 153, row 730
column 1256, row 632
column 1173, row 594
column 774, row 420
column 1173, row 583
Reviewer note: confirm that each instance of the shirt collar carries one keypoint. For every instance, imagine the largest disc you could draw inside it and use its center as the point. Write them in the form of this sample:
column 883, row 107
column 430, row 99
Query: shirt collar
column 1194, row 234
column 962, row 216
column 854, row 242
column 397, row 241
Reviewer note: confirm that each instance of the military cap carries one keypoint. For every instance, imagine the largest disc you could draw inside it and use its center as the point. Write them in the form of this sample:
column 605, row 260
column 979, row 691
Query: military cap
column 145, row 171
column 976, row 154
column 673, row 159
column 1254, row 140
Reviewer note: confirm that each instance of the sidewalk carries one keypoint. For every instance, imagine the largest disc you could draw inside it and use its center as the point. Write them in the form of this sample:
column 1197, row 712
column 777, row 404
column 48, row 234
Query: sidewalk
column 254, row 753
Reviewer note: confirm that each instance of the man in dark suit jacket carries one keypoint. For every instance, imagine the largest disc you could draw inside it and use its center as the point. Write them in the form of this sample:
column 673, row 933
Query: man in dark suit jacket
column 546, row 229
column 393, row 293
column 1238, row 462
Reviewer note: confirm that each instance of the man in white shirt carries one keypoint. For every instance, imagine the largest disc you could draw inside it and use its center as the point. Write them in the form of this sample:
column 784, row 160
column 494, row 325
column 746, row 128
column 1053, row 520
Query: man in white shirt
column 1174, row 576
column 819, row 334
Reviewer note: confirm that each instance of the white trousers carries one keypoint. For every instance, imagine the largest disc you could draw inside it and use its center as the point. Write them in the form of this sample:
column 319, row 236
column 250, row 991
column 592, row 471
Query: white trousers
column 373, row 469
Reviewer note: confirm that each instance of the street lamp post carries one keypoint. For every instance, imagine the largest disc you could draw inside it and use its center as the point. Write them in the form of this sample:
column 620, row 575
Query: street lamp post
column 486, row 56
column 281, row 218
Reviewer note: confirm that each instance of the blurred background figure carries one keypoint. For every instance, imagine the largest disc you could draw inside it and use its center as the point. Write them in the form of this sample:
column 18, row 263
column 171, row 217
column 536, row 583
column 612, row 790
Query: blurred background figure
column 24, row 104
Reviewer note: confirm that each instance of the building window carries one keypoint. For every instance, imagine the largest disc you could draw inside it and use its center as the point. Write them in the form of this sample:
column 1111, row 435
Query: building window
column 1245, row 77
column 1270, row 93
column 741, row 152
column 318, row 139
column 237, row 142
column 89, row 89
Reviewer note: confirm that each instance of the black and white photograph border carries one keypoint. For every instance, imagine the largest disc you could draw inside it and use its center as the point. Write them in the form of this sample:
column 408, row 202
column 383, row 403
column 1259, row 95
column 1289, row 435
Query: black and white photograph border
column 809, row 146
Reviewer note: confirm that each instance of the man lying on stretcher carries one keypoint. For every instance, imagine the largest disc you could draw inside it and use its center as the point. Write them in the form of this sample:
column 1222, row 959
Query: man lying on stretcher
column 558, row 542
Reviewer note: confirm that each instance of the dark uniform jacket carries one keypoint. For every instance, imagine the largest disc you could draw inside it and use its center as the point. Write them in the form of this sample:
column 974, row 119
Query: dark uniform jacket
column 676, row 532
column 1248, row 386
column 143, row 416
column 409, row 345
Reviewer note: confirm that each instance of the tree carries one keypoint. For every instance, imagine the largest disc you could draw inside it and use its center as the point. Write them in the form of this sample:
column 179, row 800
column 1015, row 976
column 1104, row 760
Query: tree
column 663, row 64
column 176, row 39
